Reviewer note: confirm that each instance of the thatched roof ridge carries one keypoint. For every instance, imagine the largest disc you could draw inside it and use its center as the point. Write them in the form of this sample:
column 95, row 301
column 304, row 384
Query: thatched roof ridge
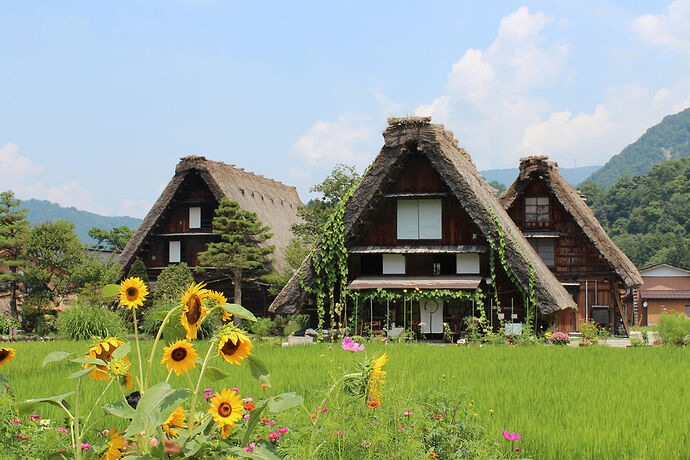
column 539, row 167
column 412, row 136
column 274, row 202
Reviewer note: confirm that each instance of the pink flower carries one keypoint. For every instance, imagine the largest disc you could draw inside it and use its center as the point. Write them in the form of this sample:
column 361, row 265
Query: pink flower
column 511, row 436
column 517, row 449
column 34, row 417
column 22, row 437
column 283, row 430
column 246, row 416
column 407, row 413
column 236, row 390
column 384, row 340
column 274, row 435
column 153, row 442
column 338, row 433
column 85, row 446
column 248, row 449
column 271, row 423
column 247, row 400
column 62, row 430
column 324, row 410
column 15, row 420
column 350, row 345
column 208, row 391
column 366, row 444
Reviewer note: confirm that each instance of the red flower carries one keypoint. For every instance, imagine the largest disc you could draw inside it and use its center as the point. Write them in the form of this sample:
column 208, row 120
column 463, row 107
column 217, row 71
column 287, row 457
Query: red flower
column 249, row 406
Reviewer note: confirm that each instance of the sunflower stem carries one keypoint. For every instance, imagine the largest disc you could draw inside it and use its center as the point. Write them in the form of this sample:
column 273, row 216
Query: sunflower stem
column 77, row 448
column 192, row 419
column 86, row 421
column 155, row 343
column 136, row 338
column 168, row 377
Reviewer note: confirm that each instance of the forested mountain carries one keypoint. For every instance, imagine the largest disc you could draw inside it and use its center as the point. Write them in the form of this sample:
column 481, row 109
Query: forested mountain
column 506, row 176
column 668, row 140
column 648, row 216
column 42, row 211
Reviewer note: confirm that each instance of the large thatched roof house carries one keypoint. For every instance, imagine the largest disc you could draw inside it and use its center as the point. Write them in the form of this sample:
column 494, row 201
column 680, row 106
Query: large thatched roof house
column 178, row 226
column 423, row 218
column 558, row 223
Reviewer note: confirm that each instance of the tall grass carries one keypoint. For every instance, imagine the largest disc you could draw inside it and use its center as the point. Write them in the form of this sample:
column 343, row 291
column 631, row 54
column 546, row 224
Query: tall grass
column 593, row 402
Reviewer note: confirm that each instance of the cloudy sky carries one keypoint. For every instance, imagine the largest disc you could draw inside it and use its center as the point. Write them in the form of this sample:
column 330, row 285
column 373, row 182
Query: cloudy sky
column 99, row 100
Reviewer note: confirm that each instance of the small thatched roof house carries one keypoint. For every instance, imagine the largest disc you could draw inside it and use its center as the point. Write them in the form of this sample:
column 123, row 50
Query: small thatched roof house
column 421, row 162
column 556, row 219
column 179, row 225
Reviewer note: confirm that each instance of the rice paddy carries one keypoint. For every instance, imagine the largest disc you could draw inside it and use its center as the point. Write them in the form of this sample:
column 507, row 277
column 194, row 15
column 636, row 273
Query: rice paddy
column 593, row 402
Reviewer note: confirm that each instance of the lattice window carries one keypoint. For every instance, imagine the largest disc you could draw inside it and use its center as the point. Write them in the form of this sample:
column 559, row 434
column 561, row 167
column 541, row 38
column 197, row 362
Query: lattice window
column 537, row 211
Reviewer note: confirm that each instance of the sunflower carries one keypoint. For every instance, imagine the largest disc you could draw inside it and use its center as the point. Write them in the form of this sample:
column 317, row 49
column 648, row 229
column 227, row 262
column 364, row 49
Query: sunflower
column 376, row 375
column 6, row 355
column 103, row 350
column 234, row 346
column 194, row 309
column 116, row 445
column 176, row 419
column 180, row 357
column 226, row 409
column 222, row 300
column 133, row 292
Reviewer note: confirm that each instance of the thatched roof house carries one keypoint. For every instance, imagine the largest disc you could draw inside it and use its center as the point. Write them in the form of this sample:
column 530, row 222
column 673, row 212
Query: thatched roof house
column 416, row 139
column 539, row 168
column 192, row 195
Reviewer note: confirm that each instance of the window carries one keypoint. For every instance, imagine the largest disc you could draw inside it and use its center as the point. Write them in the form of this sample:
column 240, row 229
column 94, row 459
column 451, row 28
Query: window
column 537, row 210
column 545, row 249
column 466, row 264
column 393, row 264
column 419, row 219
column 174, row 252
column 195, row 217
column 687, row 310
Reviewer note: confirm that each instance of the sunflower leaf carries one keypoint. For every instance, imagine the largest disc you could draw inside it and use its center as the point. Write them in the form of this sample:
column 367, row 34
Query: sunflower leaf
column 4, row 385
column 120, row 409
column 259, row 371
column 284, row 401
column 121, row 351
column 81, row 373
column 193, row 440
column 159, row 315
column 253, row 421
column 111, row 290
column 31, row 404
column 55, row 356
column 155, row 407
column 88, row 360
column 215, row 374
column 239, row 311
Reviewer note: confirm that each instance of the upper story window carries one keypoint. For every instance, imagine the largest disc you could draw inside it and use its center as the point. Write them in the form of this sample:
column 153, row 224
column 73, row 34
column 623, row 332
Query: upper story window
column 174, row 252
column 545, row 249
column 537, row 211
column 195, row 217
column 393, row 264
column 419, row 219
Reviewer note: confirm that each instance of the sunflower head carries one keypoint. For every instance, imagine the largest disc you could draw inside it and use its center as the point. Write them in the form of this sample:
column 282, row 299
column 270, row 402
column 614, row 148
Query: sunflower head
column 233, row 345
column 6, row 355
column 133, row 292
column 180, row 357
column 194, row 310
column 116, row 445
column 176, row 419
column 226, row 409
column 119, row 367
column 103, row 350
column 376, row 374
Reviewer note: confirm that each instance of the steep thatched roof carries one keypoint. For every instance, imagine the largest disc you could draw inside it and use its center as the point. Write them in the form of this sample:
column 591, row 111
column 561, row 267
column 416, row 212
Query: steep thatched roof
column 417, row 136
column 274, row 203
column 538, row 167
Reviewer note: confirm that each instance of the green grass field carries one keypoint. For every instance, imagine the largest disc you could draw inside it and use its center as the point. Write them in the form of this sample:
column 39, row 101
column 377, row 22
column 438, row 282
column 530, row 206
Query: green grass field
column 594, row 402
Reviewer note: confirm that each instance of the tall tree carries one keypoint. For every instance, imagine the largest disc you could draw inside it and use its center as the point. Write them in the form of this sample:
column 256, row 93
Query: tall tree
column 114, row 239
column 54, row 251
column 316, row 213
column 13, row 231
column 238, row 254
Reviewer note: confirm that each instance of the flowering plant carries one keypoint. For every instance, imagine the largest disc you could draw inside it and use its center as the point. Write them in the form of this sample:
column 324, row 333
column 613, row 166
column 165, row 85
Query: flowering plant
column 560, row 338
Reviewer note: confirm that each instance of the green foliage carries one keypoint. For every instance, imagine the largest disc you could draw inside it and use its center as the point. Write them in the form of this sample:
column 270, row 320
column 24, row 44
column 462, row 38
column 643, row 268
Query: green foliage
column 500, row 188
column 647, row 216
column 264, row 327
column 14, row 230
column 673, row 327
column 38, row 313
column 173, row 282
column 54, row 252
column 239, row 253
column 667, row 140
column 114, row 239
column 138, row 270
column 84, row 321
column 294, row 254
column 316, row 213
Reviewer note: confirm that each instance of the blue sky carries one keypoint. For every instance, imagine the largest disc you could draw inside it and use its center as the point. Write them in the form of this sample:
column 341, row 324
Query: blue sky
column 99, row 100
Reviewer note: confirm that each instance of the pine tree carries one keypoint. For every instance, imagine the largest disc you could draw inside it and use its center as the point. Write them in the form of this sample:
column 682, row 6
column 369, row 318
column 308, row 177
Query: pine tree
column 239, row 253
column 13, row 232
column 138, row 269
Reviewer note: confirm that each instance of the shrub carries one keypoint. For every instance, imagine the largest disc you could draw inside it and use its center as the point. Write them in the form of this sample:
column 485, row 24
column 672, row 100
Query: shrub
column 560, row 338
column 291, row 327
column 264, row 327
column 673, row 327
column 153, row 318
column 38, row 314
column 173, row 282
column 83, row 321
column 301, row 320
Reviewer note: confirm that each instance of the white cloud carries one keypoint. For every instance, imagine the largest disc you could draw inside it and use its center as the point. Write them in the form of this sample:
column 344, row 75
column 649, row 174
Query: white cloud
column 669, row 29
column 14, row 166
column 134, row 208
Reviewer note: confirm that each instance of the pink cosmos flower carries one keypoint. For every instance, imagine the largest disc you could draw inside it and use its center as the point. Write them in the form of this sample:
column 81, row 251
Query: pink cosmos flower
column 85, row 446
column 511, row 436
column 247, row 400
column 274, row 435
column 350, row 345
column 283, row 430
column 34, row 417
column 248, row 449
column 246, row 416
column 407, row 413
column 62, row 430
column 208, row 391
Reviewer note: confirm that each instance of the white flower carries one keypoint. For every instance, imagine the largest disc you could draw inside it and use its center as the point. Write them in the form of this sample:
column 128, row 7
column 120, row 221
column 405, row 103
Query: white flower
column 45, row 422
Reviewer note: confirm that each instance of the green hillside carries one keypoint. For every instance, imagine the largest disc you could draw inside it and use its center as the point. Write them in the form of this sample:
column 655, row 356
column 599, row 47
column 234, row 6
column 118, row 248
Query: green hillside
column 648, row 216
column 668, row 140
column 43, row 211
column 508, row 175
